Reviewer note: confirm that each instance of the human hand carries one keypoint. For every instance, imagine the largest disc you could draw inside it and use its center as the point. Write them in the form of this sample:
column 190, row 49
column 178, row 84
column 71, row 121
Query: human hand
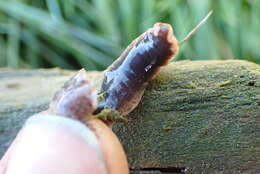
column 49, row 144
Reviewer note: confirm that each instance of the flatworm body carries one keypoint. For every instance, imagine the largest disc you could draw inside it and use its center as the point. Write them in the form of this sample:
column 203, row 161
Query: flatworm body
column 126, row 79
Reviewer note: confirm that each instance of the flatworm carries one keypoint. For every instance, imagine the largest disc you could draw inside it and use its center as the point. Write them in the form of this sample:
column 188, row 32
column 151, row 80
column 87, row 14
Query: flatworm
column 126, row 79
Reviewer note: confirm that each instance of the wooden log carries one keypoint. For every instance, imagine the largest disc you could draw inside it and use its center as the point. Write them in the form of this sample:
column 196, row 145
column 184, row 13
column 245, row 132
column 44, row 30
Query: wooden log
column 195, row 117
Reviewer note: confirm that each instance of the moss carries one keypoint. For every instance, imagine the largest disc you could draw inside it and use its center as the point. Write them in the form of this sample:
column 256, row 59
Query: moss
column 110, row 115
column 207, row 128
column 192, row 85
column 256, row 71
column 225, row 83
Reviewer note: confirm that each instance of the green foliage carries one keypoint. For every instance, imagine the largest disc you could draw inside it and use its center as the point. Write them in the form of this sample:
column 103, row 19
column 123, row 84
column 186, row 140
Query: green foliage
column 92, row 33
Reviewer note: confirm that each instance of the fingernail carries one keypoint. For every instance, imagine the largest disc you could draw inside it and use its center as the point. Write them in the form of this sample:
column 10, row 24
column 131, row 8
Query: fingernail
column 68, row 124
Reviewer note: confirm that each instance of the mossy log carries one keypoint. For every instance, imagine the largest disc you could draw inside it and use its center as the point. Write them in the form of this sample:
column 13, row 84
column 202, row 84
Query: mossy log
column 195, row 117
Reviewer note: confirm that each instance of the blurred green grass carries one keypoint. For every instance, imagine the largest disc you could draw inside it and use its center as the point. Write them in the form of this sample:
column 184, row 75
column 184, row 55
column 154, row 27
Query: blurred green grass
column 92, row 33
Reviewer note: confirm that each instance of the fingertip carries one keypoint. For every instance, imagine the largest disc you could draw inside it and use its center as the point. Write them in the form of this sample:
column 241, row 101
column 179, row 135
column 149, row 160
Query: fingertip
column 112, row 149
column 52, row 144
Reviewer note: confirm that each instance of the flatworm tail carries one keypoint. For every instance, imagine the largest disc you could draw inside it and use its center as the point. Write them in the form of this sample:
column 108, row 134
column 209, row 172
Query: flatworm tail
column 126, row 79
column 75, row 99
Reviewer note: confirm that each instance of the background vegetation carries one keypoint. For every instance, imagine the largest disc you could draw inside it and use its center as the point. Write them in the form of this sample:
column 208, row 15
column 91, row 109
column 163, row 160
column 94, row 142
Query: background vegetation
column 91, row 33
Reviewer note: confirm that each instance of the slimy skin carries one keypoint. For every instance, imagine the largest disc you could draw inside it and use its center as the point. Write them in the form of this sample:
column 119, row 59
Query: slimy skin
column 126, row 79
column 76, row 99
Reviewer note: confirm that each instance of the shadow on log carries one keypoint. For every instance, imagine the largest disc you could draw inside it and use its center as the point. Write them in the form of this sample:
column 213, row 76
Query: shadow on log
column 195, row 117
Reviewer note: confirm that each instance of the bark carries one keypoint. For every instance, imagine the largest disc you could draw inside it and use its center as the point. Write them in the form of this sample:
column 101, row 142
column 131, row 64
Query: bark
column 195, row 117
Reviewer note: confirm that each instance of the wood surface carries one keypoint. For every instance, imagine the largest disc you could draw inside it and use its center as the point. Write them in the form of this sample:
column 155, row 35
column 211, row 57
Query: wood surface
column 195, row 117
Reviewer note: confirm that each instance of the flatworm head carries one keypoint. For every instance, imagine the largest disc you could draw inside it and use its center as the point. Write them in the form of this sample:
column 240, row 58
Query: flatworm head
column 126, row 79
column 75, row 99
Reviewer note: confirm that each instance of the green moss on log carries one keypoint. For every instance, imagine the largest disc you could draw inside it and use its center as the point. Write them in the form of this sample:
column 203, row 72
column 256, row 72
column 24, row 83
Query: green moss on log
column 201, row 116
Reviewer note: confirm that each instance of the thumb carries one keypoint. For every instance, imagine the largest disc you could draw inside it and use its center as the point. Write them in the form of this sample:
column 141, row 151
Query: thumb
column 52, row 144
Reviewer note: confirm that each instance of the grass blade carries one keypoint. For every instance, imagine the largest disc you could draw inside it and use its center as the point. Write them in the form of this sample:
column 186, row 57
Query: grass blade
column 13, row 44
